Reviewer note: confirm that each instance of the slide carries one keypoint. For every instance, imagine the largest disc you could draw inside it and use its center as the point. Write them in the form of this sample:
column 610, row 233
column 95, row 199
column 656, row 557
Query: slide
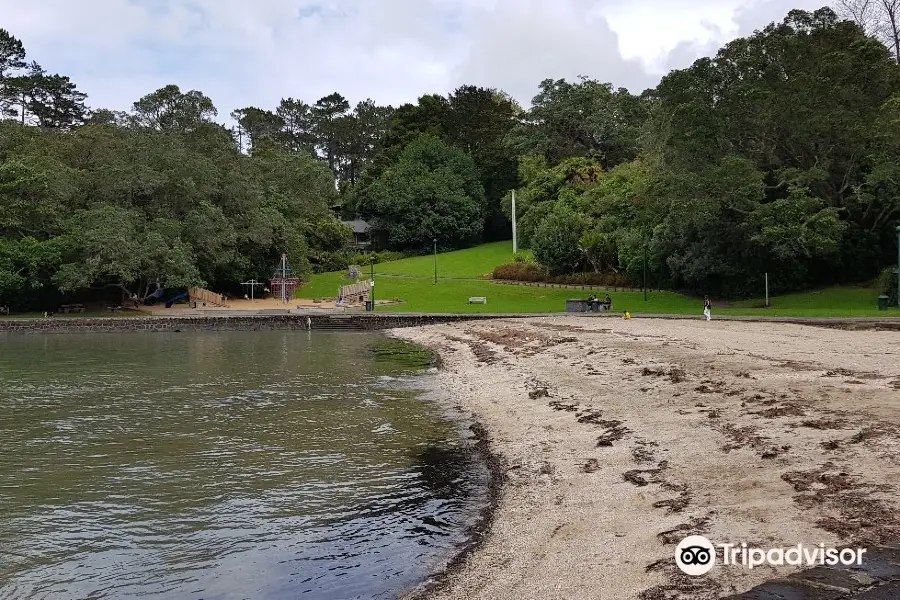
column 175, row 299
column 157, row 294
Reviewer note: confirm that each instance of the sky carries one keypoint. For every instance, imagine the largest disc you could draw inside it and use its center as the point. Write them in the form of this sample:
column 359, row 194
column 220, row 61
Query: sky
column 253, row 53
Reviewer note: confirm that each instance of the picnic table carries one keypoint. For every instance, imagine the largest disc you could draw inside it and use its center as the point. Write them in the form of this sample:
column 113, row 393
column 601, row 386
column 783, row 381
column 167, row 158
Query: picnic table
column 67, row 308
column 578, row 305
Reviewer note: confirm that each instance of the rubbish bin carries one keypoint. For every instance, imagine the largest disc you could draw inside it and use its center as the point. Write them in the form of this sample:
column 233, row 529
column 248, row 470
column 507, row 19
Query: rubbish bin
column 883, row 302
column 370, row 306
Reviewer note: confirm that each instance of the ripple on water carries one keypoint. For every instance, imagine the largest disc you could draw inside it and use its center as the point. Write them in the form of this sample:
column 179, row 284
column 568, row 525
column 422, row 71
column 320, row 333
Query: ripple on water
column 222, row 465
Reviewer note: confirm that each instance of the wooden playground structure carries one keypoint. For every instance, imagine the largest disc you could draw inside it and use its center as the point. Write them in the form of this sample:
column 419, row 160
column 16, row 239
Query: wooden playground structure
column 201, row 297
column 355, row 293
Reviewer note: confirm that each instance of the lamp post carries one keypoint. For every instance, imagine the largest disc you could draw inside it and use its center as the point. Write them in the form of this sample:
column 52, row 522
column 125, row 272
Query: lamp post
column 898, row 265
column 435, row 261
column 372, row 281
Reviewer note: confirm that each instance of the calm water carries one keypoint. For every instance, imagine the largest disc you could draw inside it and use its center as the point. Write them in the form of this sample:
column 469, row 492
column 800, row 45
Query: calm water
column 222, row 465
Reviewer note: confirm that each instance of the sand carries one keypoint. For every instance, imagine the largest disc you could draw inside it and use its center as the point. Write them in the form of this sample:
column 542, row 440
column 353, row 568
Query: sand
column 619, row 438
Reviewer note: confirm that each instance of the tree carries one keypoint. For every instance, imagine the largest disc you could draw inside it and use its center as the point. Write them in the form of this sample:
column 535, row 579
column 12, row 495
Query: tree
column 12, row 54
column 168, row 109
column 20, row 92
column 431, row 192
column 12, row 59
column 430, row 116
column 365, row 130
column 588, row 118
column 258, row 125
column 56, row 102
column 105, row 116
column 479, row 121
column 331, row 128
column 878, row 18
column 802, row 100
column 298, row 133
column 556, row 240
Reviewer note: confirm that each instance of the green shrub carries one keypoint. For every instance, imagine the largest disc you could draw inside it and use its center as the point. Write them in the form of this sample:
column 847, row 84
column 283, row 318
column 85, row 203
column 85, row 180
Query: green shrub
column 555, row 241
column 327, row 262
column 523, row 259
column 385, row 256
column 535, row 273
column 599, row 279
column 520, row 272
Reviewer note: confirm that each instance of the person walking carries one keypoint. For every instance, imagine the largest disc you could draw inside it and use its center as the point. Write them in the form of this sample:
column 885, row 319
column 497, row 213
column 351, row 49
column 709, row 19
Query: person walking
column 707, row 308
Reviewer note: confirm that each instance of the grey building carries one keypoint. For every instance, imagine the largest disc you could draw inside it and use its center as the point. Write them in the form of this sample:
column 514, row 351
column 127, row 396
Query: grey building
column 361, row 233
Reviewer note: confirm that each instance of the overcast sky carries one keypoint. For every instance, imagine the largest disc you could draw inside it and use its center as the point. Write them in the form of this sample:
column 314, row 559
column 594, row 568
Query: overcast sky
column 254, row 52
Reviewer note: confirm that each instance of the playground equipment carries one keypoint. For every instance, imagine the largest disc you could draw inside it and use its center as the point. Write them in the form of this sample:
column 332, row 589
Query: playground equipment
column 171, row 301
column 356, row 292
column 253, row 283
column 284, row 282
column 156, row 295
column 202, row 296
column 198, row 296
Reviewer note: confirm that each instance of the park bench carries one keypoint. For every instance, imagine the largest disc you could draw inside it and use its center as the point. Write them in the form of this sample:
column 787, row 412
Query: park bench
column 70, row 308
column 477, row 300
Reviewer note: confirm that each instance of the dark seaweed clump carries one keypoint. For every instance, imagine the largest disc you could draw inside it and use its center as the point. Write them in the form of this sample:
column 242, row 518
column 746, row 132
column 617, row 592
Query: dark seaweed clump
column 402, row 353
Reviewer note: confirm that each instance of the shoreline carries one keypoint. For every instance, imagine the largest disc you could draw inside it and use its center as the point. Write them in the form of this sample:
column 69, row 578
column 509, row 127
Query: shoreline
column 369, row 321
column 576, row 515
column 475, row 534
column 480, row 447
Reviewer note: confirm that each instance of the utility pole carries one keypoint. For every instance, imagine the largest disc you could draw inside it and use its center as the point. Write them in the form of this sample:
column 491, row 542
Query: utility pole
column 372, row 281
column 515, row 243
column 435, row 261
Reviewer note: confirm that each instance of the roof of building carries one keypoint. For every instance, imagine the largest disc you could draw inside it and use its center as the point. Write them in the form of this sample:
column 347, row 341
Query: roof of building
column 357, row 225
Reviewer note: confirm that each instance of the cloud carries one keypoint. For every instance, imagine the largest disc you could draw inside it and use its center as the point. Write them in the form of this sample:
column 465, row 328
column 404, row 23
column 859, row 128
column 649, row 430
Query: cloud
column 241, row 53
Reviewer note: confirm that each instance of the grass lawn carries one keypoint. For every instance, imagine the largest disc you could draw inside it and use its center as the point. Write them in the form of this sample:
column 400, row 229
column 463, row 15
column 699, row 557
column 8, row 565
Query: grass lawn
column 418, row 293
column 469, row 263
column 421, row 295
column 830, row 302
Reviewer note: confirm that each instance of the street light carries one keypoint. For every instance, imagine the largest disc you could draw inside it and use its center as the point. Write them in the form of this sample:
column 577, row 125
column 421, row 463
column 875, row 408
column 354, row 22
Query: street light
column 372, row 281
column 435, row 261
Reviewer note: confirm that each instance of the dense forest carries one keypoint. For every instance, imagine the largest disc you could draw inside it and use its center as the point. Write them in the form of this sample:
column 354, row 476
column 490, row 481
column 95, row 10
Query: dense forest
column 779, row 155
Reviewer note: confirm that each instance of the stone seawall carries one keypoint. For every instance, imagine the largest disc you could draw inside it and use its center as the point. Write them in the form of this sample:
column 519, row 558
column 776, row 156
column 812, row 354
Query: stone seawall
column 366, row 322
column 358, row 322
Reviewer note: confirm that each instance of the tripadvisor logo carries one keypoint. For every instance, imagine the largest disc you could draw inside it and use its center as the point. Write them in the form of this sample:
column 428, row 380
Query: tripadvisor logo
column 696, row 555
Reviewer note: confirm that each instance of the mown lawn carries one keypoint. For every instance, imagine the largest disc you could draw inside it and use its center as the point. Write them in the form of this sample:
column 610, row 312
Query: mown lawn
column 421, row 295
column 469, row 263
column 830, row 302
column 415, row 288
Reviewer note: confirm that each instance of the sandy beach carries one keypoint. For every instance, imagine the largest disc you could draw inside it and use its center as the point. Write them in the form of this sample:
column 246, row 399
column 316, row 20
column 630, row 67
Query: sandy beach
column 619, row 438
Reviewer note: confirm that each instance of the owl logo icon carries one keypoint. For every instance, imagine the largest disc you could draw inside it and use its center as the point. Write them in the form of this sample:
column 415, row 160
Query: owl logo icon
column 695, row 555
